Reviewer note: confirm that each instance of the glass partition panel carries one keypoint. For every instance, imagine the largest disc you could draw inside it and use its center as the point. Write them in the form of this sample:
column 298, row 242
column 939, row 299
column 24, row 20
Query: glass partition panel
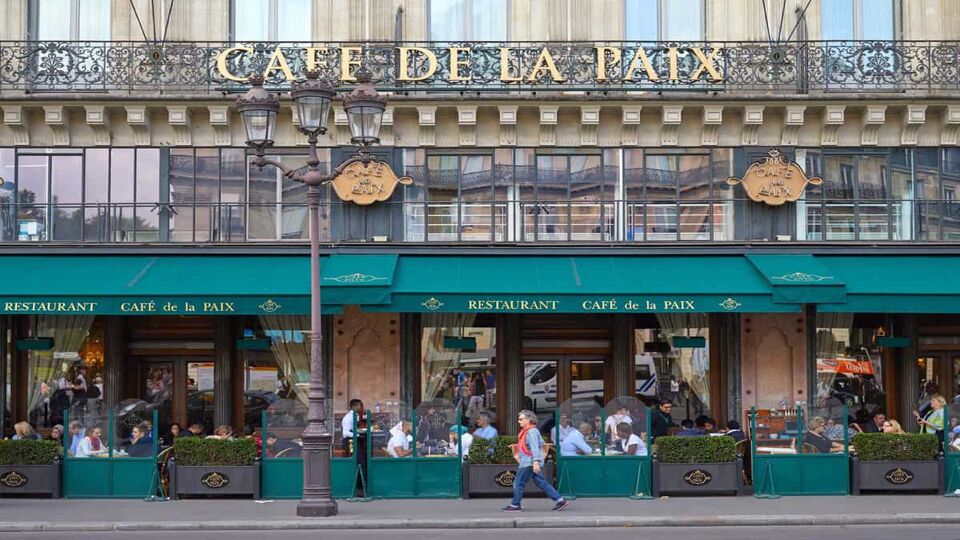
column 577, row 428
column 775, row 431
column 135, row 433
column 826, row 430
column 952, row 432
column 283, row 426
column 438, row 430
column 625, row 427
column 390, row 431
column 88, row 433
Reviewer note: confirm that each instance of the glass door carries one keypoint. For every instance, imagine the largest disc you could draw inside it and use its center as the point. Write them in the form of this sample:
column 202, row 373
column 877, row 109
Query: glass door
column 180, row 390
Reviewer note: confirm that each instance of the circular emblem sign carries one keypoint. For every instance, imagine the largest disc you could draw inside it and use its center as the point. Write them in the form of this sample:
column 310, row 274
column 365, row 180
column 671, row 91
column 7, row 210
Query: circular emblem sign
column 697, row 477
column 899, row 476
column 214, row 480
column 505, row 478
column 13, row 479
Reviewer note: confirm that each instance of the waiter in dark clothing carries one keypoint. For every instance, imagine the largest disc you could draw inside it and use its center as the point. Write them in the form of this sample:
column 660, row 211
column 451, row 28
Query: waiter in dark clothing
column 661, row 422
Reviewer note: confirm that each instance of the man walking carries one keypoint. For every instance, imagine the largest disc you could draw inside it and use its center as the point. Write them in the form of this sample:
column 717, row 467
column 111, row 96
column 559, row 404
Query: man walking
column 529, row 455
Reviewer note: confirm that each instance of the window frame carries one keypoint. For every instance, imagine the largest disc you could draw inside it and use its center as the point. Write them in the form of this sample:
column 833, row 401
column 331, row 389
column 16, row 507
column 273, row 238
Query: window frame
column 273, row 17
column 662, row 22
column 33, row 21
column 896, row 7
column 465, row 26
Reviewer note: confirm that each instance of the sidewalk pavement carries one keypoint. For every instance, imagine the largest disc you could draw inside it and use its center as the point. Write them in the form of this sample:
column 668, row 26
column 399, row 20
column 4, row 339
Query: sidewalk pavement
column 32, row 515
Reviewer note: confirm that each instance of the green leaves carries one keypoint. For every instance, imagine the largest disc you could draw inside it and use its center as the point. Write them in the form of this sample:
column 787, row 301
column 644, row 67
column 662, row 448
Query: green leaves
column 196, row 451
column 492, row 451
column 890, row 447
column 29, row 452
column 696, row 449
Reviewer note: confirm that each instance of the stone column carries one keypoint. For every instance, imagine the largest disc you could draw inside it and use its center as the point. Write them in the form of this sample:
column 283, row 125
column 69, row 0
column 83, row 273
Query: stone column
column 224, row 343
column 509, row 372
column 622, row 363
column 114, row 360
column 411, row 330
column 908, row 377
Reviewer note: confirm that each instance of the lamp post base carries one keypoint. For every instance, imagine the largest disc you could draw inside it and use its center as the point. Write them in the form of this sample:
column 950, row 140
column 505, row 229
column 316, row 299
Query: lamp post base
column 319, row 508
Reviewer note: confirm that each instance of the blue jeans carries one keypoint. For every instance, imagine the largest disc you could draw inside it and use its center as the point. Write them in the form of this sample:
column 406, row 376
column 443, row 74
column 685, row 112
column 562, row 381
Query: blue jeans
column 524, row 474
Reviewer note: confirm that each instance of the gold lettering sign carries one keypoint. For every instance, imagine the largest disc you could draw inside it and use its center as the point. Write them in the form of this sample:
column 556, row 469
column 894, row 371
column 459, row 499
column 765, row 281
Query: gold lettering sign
column 774, row 180
column 367, row 183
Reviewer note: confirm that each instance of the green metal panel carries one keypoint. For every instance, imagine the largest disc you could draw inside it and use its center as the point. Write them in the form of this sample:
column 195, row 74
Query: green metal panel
column 619, row 476
column 951, row 463
column 133, row 478
column 87, row 478
column 343, row 477
column 801, row 474
column 392, row 478
column 282, row 478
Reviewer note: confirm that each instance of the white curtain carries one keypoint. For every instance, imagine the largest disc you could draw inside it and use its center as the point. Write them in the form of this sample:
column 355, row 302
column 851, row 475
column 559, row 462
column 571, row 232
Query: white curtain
column 694, row 363
column 291, row 349
column 437, row 362
column 46, row 368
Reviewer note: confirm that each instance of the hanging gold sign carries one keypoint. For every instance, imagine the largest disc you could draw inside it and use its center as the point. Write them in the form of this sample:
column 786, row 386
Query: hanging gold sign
column 774, row 180
column 367, row 183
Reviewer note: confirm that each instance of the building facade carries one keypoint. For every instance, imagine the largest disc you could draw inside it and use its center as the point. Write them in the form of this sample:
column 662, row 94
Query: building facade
column 575, row 228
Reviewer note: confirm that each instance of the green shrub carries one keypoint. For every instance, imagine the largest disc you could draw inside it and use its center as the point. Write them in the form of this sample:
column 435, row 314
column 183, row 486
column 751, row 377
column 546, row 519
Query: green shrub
column 492, row 451
column 696, row 449
column 29, row 452
column 890, row 447
column 198, row 451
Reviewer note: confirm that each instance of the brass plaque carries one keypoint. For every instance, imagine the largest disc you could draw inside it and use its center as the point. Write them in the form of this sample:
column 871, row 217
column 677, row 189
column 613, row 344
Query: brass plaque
column 697, row 477
column 367, row 183
column 774, row 180
column 214, row 480
column 13, row 479
column 899, row 476
column 505, row 478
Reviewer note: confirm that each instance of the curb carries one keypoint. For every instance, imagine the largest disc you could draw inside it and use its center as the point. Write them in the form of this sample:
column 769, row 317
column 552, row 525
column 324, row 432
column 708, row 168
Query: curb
column 545, row 522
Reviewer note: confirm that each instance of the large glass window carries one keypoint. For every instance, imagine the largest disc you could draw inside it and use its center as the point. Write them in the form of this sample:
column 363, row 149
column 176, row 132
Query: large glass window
column 664, row 20
column 849, row 364
column 71, row 20
column 272, row 20
column 468, row 20
column 848, row 20
column 673, row 362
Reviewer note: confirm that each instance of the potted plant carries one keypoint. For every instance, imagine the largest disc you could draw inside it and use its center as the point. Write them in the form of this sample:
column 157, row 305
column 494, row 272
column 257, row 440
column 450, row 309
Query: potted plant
column 896, row 462
column 214, row 467
column 30, row 467
column 490, row 468
column 697, row 466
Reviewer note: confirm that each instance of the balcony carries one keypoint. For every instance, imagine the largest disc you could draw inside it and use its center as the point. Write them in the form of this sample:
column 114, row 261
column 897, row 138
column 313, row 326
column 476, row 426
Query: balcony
column 743, row 67
column 494, row 222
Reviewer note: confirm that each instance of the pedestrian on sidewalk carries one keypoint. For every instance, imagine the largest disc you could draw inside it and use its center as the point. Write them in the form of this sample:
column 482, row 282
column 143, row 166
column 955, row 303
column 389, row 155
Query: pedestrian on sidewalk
column 529, row 455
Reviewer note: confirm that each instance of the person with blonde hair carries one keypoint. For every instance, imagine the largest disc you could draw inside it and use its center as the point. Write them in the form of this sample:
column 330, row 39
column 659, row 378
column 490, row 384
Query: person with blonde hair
column 23, row 430
column 934, row 420
column 892, row 427
column 816, row 426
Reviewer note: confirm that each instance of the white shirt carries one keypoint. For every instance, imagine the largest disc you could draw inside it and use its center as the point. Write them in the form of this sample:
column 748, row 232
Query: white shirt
column 84, row 449
column 564, row 431
column 346, row 425
column 674, row 385
column 615, row 419
column 397, row 440
column 636, row 440
column 465, row 441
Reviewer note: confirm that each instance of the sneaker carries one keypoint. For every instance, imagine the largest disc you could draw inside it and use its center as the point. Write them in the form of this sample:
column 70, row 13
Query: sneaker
column 561, row 505
column 511, row 508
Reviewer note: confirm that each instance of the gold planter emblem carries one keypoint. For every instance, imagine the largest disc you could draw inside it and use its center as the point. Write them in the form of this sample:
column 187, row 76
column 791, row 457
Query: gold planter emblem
column 367, row 183
column 899, row 476
column 13, row 479
column 774, row 180
column 214, row 480
column 697, row 477
column 505, row 478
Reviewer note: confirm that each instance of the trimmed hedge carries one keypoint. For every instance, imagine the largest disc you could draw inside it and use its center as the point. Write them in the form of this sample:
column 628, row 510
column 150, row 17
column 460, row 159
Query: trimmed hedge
column 203, row 452
column 705, row 449
column 890, row 447
column 29, row 452
column 494, row 451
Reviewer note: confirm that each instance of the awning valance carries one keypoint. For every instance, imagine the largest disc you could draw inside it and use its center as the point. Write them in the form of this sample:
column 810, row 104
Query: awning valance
column 799, row 279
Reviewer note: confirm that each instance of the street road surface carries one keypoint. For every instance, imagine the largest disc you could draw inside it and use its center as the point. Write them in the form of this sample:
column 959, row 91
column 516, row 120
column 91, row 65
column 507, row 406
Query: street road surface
column 940, row 532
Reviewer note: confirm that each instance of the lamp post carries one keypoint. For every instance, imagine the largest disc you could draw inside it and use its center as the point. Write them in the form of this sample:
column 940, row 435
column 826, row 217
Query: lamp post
column 364, row 107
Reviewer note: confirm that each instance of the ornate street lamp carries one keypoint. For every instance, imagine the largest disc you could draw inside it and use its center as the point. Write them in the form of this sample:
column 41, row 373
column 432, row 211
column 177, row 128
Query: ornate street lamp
column 258, row 109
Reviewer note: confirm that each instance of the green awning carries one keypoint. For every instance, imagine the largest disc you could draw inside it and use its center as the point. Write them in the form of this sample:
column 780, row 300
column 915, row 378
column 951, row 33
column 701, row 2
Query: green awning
column 799, row 279
column 161, row 285
column 896, row 283
column 580, row 285
column 357, row 279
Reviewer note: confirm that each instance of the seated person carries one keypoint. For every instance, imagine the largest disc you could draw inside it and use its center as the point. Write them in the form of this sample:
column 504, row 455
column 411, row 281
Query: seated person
column 710, row 425
column 141, row 442
column 816, row 427
column 399, row 444
column 575, row 443
column 687, row 429
column 24, row 431
column 195, row 430
column 566, row 427
column 276, row 447
column 628, row 443
column 222, row 433
column 91, row 445
column 484, row 429
column 614, row 420
column 733, row 430
column 466, row 439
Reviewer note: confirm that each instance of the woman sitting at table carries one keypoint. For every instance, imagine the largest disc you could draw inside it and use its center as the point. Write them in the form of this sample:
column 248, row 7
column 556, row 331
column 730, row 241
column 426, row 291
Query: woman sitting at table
column 399, row 444
column 628, row 443
column 814, row 436
column 91, row 444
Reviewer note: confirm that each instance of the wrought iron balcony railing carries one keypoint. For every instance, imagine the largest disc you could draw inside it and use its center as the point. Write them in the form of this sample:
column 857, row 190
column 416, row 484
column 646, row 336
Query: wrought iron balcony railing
column 783, row 68
column 488, row 222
